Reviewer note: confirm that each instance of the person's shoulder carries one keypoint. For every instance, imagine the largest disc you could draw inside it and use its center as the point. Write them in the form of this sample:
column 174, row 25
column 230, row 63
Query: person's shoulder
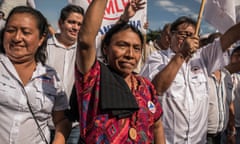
column 161, row 53
column 4, row 58
column 156, row 57
column 53, row 43
column 51, row 38
column 47, row 69
column 156, row 53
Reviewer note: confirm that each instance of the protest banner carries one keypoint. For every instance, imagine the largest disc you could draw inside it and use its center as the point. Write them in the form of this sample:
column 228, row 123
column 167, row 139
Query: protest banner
column 220, row 13
column 114, row 10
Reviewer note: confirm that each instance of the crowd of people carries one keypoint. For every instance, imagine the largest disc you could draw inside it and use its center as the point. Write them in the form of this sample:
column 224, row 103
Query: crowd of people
column 55, row 89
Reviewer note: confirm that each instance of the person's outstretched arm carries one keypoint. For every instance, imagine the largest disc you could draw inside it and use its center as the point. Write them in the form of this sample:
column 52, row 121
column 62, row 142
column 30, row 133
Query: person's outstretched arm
column 130, row 10
column 86, row 50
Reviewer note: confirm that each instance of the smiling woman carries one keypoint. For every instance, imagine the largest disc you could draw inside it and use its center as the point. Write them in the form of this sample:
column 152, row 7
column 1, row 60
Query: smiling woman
column 21, row 39
column 123, row 106
column 30, row 91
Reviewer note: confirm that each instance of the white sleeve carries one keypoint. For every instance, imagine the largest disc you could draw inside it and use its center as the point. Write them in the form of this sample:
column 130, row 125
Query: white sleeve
column 155, row 63
column 212, row 55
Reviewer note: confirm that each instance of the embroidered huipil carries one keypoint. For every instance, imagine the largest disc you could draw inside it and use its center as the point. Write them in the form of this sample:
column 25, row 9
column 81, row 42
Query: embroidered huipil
column 100, row 127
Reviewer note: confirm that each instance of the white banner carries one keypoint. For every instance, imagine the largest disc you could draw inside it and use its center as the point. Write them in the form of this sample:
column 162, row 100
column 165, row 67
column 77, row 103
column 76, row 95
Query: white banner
column 220, row 13
column 113, row 11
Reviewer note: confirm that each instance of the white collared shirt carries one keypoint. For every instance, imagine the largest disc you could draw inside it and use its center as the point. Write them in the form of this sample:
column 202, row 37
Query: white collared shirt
column 220, row 97
column 185, row 103
column 62, row 59
column 45, row 94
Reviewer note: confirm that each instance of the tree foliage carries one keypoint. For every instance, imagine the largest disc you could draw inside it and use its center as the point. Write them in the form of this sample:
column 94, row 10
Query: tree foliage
column 153, row 34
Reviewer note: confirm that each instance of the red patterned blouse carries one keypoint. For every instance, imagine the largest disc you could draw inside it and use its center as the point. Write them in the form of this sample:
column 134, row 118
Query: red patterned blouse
column 98, row 127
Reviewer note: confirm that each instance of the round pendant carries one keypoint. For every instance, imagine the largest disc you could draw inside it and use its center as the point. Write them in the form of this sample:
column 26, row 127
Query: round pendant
column 132, row 133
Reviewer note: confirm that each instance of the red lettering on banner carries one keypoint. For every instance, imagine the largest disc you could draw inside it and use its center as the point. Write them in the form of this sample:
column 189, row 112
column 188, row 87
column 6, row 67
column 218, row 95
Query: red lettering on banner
column 114, row 8
column 119, row 9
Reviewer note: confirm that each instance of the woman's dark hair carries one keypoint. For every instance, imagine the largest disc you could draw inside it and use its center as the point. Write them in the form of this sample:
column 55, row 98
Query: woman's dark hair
column 42, row 25
column 67, row 10
column 182, row 20
column 114, row 30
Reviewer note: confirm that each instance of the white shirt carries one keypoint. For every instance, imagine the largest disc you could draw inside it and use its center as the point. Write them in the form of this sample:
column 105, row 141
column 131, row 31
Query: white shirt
column 62, row 59
column 45, row 94
column 185, row 103
column 220, row 97
column 236, row 86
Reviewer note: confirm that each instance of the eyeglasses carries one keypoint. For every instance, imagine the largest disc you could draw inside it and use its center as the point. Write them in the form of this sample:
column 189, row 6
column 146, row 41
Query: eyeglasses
column 183, row 34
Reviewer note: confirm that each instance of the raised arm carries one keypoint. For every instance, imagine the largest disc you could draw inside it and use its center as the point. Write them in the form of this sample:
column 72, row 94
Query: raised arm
column 131, row 9
column 164, row 78
column 86, row 50
column 231, row 36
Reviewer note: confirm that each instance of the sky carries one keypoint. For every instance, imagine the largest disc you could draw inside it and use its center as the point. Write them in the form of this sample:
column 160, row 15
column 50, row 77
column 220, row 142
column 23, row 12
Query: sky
column 159, row 12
